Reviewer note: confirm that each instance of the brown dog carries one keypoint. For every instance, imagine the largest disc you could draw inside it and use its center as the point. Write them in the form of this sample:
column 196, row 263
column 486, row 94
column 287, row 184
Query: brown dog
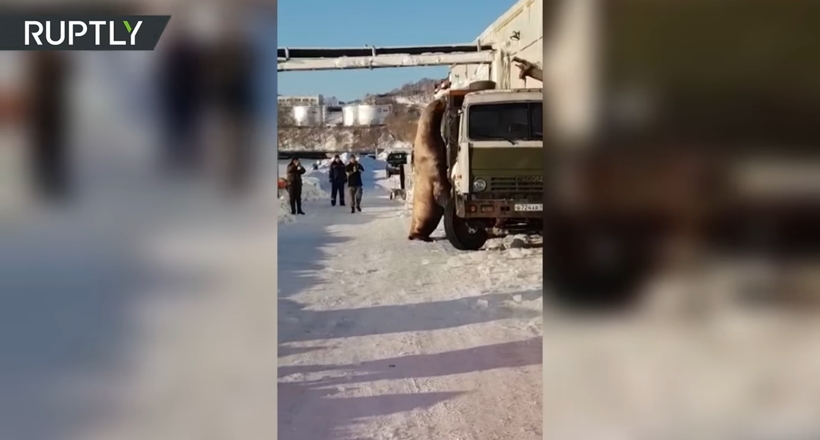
column 431, row 186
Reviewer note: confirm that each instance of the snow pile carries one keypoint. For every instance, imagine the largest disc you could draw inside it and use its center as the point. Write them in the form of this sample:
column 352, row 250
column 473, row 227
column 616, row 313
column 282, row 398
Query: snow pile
column 408, row 184
column 284, row 210
column 311, row 191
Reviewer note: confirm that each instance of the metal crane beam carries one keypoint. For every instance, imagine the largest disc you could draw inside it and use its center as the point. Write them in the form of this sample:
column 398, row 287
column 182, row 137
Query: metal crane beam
column 383, row 61
column 295, row 59
column 366, row 51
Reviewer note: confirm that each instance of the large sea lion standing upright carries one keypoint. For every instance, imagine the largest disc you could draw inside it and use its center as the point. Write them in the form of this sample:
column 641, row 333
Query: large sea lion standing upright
column 431, row 186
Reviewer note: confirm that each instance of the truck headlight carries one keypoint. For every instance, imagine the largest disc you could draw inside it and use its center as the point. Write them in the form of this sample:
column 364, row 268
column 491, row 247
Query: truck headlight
column 479, row 185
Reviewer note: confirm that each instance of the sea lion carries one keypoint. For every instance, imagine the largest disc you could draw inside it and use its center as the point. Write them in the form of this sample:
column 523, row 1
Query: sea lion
column 431, row 186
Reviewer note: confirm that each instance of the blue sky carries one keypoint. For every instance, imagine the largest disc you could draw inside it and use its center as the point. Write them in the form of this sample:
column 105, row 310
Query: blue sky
column 356, row 23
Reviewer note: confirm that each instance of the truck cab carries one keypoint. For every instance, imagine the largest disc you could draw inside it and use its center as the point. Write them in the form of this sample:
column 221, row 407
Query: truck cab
column 494, row 147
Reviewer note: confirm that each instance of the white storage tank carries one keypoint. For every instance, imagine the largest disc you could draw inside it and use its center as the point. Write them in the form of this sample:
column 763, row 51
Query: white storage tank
column 383, row 113
column 350, row 115
column 368, row 115
column 307, row 115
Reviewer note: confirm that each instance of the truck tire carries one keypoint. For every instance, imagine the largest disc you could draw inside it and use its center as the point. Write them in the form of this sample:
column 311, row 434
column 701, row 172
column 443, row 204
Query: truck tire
column 459, row 233
column 580, row 280
column 481, row 85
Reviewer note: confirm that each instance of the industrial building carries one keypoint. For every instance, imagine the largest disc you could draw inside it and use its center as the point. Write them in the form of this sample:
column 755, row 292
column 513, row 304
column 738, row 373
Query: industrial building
column 314, row 100
column 318, row 110
column 358, row 115
column 519, row 32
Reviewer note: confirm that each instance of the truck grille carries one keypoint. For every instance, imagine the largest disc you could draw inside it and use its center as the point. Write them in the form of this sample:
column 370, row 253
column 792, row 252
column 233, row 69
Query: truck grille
column 521, row 184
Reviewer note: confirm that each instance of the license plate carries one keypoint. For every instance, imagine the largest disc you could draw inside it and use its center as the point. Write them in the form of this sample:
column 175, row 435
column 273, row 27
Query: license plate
column 529, row 207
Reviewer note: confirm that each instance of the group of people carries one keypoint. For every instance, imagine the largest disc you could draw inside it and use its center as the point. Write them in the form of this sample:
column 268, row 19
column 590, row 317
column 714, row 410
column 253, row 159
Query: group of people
column 350, row 174
column 340, row 174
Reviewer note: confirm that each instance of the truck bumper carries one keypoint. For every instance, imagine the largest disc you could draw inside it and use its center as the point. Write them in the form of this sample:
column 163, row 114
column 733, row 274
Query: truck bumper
column 500, row 209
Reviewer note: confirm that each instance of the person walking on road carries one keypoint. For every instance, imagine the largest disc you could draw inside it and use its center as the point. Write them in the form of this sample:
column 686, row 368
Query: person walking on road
column 354, row 183
column 338, row 178
column 294, row 175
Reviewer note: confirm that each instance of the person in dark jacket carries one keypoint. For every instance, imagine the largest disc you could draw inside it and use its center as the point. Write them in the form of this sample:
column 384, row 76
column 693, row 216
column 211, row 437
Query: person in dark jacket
column 354, row 183
column 50, row 152
column 294, row 175
column 338, row 178
column 230, row 88
column 182, row 84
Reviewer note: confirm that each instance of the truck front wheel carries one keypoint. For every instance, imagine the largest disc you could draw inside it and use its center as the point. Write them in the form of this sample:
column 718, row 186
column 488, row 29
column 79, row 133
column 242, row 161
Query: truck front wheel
column 463, row 234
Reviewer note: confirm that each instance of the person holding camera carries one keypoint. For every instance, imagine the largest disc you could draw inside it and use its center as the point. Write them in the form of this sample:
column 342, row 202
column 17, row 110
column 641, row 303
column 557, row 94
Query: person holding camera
column 294, row 176
column 354, row 184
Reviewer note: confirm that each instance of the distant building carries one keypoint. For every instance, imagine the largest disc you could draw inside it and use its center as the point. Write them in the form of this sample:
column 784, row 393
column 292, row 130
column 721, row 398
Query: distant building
column 317, row 100
column 299, row 100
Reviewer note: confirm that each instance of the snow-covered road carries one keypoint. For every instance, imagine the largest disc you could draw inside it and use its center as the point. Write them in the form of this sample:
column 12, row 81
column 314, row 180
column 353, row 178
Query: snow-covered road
column 383, row 338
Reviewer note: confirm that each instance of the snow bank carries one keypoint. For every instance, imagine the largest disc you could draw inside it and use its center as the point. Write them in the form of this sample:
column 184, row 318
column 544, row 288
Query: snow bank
column 408, row 184
column 311, row 191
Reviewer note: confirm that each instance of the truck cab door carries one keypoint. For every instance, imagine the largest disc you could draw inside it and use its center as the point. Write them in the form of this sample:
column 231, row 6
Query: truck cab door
column 461, row 170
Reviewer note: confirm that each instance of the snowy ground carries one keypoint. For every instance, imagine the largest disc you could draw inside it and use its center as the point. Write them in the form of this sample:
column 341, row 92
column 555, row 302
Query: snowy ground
column 383, row 338
column 697, row 363
column 389, row 339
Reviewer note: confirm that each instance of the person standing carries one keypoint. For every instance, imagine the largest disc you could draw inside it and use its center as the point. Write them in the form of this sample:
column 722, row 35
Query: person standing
column 50, row 152
column 338, row 178
column 182, row 86
column 354, row 183
column 231, row 92
column 294, row 175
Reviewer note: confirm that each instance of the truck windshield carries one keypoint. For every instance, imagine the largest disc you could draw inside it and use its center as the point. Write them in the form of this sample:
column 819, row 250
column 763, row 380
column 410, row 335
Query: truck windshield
column 514, row 121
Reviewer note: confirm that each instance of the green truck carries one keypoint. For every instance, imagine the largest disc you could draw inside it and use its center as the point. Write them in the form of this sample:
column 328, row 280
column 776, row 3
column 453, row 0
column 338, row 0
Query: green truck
column 494, row 144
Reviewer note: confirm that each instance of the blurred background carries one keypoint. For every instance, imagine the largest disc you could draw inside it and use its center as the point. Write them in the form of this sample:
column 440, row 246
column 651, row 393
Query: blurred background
column 137, row 231
column 680, row 258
